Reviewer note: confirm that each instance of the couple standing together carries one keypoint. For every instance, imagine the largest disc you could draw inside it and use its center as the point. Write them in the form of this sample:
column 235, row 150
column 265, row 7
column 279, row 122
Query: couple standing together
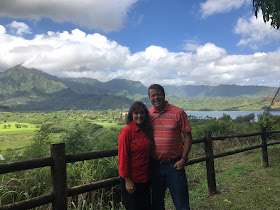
column 152, row 154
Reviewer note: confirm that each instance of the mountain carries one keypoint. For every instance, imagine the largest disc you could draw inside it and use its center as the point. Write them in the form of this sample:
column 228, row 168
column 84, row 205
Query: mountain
column 28, row 82
column 114, row 87
column 194, row 91
column 130, row 88
column 23, row 89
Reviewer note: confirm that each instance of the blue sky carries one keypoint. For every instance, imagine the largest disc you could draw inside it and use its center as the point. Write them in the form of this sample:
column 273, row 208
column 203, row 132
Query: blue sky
column 170, row 42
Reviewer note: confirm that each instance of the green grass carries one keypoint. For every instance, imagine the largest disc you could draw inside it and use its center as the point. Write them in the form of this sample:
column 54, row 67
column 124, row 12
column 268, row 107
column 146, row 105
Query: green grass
column 14, row 141
column 110, row 125
column 12, row 128
column 242, row 183
column 16, row 137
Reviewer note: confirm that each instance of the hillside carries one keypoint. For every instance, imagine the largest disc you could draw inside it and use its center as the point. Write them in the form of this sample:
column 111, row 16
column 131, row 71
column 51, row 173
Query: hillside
column 20, row 81
column 242, row 183
column 232, row 91
column 24, row 89
column 114, row 87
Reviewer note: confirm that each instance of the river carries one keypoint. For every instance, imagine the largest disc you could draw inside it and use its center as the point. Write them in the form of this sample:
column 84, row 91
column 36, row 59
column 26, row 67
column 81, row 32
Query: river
column 232, row 114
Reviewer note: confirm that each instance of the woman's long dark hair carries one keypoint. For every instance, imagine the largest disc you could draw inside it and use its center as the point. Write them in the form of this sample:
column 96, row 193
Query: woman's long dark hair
column 146, row 125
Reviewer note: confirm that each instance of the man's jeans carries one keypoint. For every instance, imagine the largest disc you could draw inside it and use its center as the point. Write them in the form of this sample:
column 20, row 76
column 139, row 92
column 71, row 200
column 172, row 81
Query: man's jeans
column 163, row 176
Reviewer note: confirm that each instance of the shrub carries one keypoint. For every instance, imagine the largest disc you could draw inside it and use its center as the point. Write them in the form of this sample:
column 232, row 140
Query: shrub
column 40, row 144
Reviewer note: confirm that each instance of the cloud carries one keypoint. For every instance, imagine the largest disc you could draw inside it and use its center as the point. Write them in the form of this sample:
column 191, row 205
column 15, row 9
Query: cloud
column 107, row 15
column 191, row 45
column 254, row 32
column 57, row 52
column 2, row 29
column 78, row 54
column 211, row 7
column 209, row 52
column 19, row 28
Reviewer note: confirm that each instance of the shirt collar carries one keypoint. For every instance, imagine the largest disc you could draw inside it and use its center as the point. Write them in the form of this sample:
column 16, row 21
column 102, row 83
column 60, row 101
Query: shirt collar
column 134, row 126
column 167, row 108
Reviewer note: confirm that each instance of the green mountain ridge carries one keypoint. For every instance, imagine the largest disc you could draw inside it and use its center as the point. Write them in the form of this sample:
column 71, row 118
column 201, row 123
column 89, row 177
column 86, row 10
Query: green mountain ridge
column 194, row 91
column 19, row 79
column 25, row 89
column 113, row 87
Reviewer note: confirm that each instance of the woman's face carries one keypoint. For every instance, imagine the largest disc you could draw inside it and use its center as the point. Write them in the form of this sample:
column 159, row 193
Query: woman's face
column 139, row 116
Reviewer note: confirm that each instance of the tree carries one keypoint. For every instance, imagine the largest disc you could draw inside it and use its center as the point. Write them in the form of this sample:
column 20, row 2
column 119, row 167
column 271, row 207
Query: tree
column 40, row 144
column 270, row 10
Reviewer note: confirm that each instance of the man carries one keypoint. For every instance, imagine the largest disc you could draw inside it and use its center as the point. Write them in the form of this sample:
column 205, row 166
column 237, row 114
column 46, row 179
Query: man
column 171, row 154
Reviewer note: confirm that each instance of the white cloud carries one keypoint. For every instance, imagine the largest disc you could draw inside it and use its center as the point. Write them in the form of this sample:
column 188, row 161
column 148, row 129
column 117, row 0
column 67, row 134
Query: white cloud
column 2, row 29
column 209, row 52
column 57, row 52
column 254, row 32
column 190, row 47
column 107, row 15
column 211, row 7
column 155, row 52
column 78, row 54
column 19, row 28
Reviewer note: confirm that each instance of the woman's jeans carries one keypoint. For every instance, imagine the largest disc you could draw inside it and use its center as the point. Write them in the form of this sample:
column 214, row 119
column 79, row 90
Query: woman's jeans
column 165, row 175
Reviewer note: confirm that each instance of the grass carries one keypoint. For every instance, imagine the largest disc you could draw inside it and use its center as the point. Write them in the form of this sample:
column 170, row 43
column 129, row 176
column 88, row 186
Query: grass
column 242, row 183
column 110, row 125
column 15, row 138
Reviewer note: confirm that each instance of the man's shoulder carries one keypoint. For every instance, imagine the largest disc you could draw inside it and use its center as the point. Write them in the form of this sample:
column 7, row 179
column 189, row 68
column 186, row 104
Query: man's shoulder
column 174, row 108
column 151, row 110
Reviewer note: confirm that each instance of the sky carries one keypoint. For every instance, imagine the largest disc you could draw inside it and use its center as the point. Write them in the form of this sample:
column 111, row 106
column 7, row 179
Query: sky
column 169, row 42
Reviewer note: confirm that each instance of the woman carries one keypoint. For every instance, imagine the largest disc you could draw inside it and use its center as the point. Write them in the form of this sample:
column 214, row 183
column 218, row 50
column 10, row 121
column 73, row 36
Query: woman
column 135, row 147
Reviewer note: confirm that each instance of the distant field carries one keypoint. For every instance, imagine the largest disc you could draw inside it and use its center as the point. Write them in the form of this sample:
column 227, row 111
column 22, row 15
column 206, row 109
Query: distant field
column 110, row 125
column 15, row 138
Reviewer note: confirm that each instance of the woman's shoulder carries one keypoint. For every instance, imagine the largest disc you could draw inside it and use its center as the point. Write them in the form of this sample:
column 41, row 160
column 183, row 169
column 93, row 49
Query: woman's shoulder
column 127, row 128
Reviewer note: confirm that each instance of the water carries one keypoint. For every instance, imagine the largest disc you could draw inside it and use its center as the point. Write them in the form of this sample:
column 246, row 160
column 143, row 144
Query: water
column 232, row 114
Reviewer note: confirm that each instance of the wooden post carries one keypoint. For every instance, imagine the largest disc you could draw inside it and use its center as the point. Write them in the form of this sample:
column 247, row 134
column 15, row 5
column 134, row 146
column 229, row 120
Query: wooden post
column 211, row 178
column 58, row 176
column 264, row 147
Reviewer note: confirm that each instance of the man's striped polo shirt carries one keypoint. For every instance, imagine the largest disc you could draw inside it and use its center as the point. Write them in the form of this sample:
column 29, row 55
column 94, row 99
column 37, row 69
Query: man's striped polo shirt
column 168, row 126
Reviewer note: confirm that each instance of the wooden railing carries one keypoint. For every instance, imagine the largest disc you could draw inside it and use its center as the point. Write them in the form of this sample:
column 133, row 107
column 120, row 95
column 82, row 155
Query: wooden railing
column 58, row 160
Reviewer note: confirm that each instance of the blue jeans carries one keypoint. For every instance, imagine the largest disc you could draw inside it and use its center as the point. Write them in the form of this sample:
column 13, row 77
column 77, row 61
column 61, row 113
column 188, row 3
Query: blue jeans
column 164, row 176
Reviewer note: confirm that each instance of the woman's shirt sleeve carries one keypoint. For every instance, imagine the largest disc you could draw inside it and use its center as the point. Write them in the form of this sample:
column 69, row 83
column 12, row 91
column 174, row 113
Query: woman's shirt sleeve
column 123, row 151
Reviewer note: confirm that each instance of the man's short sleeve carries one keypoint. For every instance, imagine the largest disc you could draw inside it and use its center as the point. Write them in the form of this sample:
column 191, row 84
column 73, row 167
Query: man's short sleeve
column 184, row 122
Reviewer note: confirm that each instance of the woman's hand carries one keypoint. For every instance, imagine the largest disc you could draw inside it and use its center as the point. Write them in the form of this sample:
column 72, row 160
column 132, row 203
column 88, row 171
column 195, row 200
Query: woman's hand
column 129, row 185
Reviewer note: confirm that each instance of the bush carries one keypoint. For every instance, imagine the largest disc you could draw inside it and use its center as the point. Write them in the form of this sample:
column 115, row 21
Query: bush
column 105, row 139
column 40, row 144
column 79, row 137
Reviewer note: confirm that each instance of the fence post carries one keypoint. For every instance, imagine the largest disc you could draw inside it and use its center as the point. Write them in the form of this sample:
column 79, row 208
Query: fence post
column 211, row 178
column 264, row 147
column 58, row 176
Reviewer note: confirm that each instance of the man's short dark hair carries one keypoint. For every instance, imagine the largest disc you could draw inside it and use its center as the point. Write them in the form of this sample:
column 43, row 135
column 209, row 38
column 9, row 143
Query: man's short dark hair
column 156, row 87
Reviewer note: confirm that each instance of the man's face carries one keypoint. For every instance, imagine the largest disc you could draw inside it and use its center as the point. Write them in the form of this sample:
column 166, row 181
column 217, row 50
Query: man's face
column 157, row 99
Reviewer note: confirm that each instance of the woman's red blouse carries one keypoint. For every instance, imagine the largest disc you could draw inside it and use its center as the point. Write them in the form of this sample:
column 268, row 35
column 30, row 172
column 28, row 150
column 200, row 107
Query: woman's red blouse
column 134, row 151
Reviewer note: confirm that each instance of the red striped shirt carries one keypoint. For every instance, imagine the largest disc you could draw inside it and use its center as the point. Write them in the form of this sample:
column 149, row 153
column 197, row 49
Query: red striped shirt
column 168, row 126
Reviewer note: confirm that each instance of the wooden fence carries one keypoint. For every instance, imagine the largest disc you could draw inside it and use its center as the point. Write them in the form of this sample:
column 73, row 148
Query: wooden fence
column 58, row 160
